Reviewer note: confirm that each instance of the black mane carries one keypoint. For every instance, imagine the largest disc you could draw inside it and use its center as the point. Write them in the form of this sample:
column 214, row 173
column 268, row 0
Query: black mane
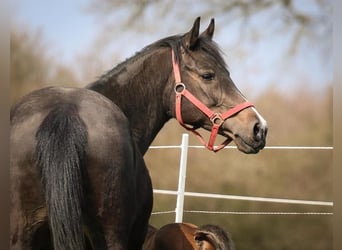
column 176, row 43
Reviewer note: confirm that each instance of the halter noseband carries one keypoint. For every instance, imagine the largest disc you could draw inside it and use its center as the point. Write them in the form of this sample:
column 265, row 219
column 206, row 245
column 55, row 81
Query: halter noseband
column 217, row 119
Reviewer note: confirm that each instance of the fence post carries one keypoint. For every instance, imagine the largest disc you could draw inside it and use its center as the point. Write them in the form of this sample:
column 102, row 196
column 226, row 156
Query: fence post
column 181, row 178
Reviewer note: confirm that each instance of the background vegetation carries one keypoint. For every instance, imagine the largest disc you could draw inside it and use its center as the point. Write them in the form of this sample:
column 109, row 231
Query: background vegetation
column 299, row 115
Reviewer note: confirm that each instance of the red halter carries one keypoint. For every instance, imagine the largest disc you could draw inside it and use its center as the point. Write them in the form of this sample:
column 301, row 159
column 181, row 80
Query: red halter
column 217, row 119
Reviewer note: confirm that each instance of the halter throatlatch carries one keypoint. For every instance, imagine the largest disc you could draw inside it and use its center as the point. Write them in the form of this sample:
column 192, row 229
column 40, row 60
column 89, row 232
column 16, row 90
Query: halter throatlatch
column 217, row 119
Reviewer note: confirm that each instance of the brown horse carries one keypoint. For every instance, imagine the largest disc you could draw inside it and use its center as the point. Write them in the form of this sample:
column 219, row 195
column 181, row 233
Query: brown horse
column 78, row 178
column 185, row 236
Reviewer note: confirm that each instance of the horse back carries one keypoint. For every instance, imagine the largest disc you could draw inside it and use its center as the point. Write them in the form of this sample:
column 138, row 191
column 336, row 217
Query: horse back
column 101, row 117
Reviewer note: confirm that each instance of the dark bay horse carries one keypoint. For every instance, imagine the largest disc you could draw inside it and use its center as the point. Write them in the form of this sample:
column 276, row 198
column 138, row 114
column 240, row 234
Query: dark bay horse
column 186, row 236
column 78, row 178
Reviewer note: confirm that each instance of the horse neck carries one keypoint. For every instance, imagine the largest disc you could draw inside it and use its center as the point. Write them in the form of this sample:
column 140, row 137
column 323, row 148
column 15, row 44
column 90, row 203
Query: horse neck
column 137, row 86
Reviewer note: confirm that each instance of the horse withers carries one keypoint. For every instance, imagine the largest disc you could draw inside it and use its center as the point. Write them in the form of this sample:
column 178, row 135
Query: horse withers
column 187, row 236
column 78, row 177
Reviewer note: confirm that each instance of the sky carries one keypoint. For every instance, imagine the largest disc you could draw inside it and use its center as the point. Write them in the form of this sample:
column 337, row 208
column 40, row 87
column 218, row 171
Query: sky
column 71, row 30
column 65, row 24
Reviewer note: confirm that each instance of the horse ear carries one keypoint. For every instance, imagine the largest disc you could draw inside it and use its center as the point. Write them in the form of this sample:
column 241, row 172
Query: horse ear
column 192, row 36
column 209, row 32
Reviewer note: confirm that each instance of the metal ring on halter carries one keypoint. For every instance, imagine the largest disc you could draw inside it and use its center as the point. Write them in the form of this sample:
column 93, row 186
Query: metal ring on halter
column 217, row 119
column 179, row 88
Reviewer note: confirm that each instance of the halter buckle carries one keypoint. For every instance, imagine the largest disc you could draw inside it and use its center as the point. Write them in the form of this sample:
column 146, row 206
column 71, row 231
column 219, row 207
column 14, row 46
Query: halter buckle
column 217, row 119
column 179, row 88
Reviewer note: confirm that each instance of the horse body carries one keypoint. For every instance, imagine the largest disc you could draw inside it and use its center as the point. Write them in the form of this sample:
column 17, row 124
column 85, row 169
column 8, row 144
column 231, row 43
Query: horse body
column 78, row 178
column 112, row 163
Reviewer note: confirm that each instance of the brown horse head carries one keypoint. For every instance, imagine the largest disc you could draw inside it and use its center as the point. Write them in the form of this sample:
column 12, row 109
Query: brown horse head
column 187, row 236
column 204, row 81
column 212, row 237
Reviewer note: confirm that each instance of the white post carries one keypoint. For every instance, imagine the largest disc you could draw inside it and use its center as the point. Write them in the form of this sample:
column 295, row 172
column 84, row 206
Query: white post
column 181, row 178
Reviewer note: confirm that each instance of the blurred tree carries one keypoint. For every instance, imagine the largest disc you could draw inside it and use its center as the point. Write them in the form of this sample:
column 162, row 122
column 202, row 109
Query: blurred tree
column 31, row 65
column 305, row 20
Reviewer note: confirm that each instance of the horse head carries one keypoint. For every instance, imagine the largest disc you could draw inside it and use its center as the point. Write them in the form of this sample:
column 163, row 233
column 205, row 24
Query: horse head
column 203, row 81
column 212, row 237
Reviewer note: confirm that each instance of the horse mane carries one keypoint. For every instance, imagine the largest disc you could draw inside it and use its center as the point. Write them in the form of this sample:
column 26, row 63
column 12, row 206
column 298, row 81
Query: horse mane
column 176, row 43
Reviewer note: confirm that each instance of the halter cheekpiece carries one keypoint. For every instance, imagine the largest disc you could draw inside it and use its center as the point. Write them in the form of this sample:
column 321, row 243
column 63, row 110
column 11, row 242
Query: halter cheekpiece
column 217, row 119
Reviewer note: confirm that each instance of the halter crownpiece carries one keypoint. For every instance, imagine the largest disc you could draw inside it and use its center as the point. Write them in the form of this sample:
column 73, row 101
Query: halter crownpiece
column 217, row 119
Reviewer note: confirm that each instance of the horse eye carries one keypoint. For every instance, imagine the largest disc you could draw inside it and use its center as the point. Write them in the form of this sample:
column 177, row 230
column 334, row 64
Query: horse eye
column 208, row 76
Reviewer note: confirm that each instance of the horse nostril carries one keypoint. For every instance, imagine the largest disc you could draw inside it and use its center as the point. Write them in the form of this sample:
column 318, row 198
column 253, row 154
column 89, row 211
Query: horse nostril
column 256, row 131
column 259, row 131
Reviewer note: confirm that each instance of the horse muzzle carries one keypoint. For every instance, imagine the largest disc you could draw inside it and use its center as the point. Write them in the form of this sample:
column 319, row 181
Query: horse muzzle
column 248, row 130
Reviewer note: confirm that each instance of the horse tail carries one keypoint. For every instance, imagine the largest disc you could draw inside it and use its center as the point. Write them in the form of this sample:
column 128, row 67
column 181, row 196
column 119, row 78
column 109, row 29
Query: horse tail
column 60, row 150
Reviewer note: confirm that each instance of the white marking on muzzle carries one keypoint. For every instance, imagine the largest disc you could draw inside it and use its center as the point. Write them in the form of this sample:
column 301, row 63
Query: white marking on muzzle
column 263, row 122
